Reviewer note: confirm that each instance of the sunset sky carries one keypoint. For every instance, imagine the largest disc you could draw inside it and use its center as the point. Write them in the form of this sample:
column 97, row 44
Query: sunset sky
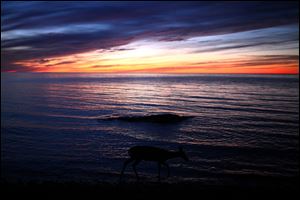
column 150, row 37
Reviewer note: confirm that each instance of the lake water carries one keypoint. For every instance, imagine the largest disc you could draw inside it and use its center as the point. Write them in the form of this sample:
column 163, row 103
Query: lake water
column 243, row 125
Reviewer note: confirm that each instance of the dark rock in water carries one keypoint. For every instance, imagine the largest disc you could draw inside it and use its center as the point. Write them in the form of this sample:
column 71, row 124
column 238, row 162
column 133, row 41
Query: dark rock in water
column 159, row 118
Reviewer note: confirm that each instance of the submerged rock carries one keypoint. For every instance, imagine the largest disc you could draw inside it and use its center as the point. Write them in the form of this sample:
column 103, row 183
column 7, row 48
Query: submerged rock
column 159, row 118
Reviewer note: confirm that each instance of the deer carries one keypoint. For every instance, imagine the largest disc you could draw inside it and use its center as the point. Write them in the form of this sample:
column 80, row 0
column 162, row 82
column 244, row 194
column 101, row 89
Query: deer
column 149, row 153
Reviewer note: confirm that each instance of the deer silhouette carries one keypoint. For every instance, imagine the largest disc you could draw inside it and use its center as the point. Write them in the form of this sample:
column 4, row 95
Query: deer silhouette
column 148, row 153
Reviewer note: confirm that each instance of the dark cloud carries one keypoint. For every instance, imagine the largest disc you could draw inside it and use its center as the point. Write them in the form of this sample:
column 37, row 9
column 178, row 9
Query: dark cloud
column 64, row 28
column 102, row 66
column 237, row 45
column 14, row 67
column 60, row 63
column 41, row 61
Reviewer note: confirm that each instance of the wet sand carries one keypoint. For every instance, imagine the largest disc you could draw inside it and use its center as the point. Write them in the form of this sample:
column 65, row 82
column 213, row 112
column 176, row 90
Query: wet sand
column 282, row 188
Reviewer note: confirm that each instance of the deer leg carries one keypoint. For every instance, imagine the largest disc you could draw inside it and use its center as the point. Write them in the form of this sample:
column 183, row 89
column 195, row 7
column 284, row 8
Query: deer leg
column 159, row 166
column 134, row 168
column 168, row 168
column 124, row 166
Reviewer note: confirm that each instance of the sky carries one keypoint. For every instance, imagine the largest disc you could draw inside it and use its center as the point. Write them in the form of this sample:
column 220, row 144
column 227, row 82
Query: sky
column 150, row 37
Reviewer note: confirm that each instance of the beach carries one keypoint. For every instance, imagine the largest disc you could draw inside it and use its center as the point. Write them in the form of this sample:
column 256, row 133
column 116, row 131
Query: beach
column 270, row 188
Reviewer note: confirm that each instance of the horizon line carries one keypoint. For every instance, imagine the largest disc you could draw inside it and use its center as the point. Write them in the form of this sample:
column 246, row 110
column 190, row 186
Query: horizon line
column 145, row 73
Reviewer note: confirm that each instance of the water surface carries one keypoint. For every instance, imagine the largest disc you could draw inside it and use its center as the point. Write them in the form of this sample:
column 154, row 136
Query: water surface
column 242, row 125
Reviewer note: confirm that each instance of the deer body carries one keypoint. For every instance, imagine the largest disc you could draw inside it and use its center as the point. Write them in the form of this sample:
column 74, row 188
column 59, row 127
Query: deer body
column 148, row 153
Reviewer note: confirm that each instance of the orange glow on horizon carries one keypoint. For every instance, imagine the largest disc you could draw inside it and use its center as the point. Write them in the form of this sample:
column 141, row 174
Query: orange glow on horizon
column 278, row 69
column 227, row 68
column 156, row 58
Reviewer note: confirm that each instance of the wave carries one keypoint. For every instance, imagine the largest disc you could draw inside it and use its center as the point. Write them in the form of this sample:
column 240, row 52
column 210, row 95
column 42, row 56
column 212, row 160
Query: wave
column 153, row 118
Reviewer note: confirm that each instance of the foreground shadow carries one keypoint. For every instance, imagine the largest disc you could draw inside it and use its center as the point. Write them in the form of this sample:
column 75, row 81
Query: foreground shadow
column 149, row 153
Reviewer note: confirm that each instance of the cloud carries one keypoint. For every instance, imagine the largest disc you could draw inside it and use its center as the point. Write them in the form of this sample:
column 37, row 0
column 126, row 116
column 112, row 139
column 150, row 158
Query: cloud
column 63, row 28
column 244, row 45
column 268, row 62
column 60, row 63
